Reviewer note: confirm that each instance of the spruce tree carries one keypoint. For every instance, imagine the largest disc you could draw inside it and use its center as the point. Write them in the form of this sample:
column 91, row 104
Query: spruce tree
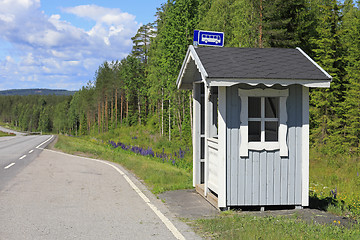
column 281, row 22
column 325, row 110
column 351, row 105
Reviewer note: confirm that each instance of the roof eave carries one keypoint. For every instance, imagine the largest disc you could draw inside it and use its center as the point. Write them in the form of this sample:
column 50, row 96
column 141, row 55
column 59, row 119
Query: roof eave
column 190, row 55
column 313, row 62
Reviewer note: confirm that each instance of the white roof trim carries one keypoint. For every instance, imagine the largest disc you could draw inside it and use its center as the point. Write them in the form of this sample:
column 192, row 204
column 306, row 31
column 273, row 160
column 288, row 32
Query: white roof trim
column 198, row 62
column 182, row 70
column 223, row 82
column 191, row 55
column 313, row 62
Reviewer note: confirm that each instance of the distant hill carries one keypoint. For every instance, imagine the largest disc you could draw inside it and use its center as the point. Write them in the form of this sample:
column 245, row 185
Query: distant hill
column 38, row 91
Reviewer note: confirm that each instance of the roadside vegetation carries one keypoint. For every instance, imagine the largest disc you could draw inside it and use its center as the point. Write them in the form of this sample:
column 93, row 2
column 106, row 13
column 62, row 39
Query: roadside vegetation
column 233, row 226
column 6, row 134
column 158, row 175
column 335, row 183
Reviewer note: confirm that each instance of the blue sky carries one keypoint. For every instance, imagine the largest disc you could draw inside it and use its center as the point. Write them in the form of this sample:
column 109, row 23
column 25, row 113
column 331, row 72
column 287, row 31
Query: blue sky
column 60, row 44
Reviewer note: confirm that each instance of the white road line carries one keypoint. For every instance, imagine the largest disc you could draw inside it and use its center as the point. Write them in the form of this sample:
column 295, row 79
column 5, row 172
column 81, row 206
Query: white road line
column 162, row 217
column 22, row 157
column 31, row 151
column 9, row 166
column 44, row 142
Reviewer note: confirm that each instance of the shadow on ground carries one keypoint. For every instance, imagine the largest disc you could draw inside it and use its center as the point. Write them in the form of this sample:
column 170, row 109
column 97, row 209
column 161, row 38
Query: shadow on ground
column 321, row 204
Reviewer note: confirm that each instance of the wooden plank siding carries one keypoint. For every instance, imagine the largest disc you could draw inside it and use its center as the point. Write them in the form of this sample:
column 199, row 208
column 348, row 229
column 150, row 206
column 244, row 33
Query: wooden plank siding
column 213, row 180
column 264, row 178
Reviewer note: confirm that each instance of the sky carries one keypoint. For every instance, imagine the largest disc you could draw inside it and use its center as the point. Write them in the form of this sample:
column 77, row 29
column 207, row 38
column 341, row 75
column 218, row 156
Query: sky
column 60, row 44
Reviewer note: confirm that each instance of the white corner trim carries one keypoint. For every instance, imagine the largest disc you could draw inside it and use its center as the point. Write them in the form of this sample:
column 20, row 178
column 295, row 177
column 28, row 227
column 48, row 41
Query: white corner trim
column 222, row 147
column 305, row 147
column 207, row 135
column 313, row 62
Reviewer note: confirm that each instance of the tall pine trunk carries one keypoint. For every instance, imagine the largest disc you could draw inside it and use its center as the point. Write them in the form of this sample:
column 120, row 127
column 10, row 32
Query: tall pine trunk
column 139, row 108
column 162, row 113
column 169, row 120
column 127, row 109
column 121, row 107
column 102, row 116
column 99, row 116
column 116, row 107
column 112, row 112
column 106, row 112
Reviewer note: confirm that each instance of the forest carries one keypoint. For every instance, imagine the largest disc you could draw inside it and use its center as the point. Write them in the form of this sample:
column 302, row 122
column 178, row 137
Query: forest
column 140, row 89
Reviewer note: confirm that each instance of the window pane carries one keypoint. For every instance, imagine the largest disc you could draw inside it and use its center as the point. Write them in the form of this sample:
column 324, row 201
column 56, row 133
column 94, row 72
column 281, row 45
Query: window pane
column 271, row 131
column 271, row 107
column 254, row 131
column 254, row 107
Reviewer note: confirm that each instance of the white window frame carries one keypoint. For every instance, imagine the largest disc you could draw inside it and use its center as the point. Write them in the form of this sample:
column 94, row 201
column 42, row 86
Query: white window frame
column 281, row 144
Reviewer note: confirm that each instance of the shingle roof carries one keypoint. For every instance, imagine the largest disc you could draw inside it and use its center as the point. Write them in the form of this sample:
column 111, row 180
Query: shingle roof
column 253, row 66
column 258, row 63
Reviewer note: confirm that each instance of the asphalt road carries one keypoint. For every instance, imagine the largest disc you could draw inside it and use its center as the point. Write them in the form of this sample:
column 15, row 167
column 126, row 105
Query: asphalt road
column 16, row 152
column 60, row 196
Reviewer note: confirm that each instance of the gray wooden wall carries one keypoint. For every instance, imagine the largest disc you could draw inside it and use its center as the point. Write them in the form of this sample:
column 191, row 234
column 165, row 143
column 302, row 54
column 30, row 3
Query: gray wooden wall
column 264, row 178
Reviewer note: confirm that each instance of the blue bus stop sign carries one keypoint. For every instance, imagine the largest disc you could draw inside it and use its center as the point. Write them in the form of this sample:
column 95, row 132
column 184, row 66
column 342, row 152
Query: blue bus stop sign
column 208, row 38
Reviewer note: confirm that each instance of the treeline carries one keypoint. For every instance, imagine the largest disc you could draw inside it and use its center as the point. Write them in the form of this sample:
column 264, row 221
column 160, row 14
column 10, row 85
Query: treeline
column 34, row 112
column 35, row 91
column 140, row 89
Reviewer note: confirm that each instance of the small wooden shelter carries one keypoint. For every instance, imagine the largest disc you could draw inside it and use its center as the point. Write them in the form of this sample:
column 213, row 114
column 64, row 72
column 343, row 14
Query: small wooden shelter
column 251, row 123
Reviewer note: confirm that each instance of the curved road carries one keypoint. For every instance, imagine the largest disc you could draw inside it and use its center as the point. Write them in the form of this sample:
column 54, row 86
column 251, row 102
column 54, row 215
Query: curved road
column 16, row 152
column 60, row 196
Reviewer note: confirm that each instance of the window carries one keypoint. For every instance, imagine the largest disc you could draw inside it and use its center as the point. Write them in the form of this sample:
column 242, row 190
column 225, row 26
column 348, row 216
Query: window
column 263, row 120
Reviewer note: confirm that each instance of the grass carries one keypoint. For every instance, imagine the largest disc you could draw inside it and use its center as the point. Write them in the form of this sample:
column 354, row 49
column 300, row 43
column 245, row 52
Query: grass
column 233, row 226
column 6, row 134
column 158, row 176
column 146, row 137
column 10, row 126
column 335, row 183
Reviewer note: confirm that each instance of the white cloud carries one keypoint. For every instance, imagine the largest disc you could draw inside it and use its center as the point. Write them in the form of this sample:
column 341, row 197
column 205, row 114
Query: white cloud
column 101, row 14
column 48, row 50
column 7, row 18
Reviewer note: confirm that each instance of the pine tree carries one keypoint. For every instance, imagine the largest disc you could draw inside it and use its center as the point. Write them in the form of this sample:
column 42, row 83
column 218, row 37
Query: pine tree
column 175, row 25
column 351, row 105
column 142, row 40
column 281, row 22
column 325, row 113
